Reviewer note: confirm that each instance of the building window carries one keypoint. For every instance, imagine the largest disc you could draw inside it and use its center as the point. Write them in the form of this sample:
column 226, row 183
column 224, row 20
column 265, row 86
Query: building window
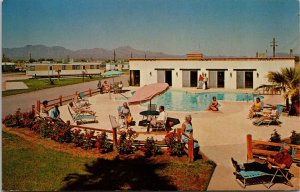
column 98, row 66
column 92, row 66
column 75, row 67
column 83, row 67
column 50, row 68
column 64, row 67
column 32, row 68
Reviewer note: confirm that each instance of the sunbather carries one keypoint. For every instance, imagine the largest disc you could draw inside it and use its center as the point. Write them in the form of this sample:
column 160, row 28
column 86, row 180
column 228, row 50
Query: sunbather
column 282, row 159
column 79, row 102
column 268, row 115
column 106, row 87
column 81, row 110
column 213, row 105
column 256, row 107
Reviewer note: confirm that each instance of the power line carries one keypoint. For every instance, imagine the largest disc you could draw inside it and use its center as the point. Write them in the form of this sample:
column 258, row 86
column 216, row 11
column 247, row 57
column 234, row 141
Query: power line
column 273, row 45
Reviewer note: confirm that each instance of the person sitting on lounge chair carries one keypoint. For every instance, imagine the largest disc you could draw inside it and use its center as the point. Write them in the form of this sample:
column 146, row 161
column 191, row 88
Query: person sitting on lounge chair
column 125, row 113
column 282, row 159
column 79, row 102
column 161, row 119
column 81, row 110
column 213, row 105
column 256, row 107
column 268, row 115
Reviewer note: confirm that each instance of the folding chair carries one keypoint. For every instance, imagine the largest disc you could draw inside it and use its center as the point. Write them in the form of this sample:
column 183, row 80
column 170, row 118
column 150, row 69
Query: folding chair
column 83, row 97
column 273, row 119
column 160, row 125
column 81, row 119
column 245, row 178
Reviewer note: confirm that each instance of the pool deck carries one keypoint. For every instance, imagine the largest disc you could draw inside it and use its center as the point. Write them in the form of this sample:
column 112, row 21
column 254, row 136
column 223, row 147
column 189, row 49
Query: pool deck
column 221, row 134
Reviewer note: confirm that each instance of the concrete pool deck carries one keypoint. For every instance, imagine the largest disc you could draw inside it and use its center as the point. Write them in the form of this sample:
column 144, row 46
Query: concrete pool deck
column 221, row 135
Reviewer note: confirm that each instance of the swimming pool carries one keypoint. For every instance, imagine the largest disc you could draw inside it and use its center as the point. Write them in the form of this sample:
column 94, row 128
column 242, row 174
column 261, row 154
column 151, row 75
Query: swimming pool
column 174, row 100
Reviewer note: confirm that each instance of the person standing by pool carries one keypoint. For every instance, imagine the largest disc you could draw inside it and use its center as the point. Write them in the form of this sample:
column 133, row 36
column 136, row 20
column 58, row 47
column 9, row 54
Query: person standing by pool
column 213, row 105
column 125, row 114
column 200, row 82
column 188, row 130
column 205, row 79
column 100, row 86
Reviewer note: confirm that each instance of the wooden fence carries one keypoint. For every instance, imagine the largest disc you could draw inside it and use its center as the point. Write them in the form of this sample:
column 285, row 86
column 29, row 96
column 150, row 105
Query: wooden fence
column 90, row 92
column 260, row 148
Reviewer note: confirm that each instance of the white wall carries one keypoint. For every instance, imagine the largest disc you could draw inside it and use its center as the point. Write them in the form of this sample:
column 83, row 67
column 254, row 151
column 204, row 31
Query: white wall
column 260, row 66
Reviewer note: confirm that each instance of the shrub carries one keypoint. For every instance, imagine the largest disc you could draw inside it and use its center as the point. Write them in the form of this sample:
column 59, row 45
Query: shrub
column 19, row 119
column 175, row 148
column 125, row 141
column 295, row 138
column 102, row 143
column 150, row 148
column 87, row 141
column 276, row 138
column 61, row 132
column 77, row 137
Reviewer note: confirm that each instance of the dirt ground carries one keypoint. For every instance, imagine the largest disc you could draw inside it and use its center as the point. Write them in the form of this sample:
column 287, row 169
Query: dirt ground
column 12, row 76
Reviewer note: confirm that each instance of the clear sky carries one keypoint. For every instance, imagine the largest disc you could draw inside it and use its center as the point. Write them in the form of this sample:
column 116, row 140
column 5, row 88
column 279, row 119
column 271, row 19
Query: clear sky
column 215, row 27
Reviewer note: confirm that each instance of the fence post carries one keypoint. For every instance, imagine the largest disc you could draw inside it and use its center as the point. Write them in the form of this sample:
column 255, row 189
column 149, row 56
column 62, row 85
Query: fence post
column 191, row 148
column 60, row 100
column 249, row 147
column 33, row 109
column 114, row 137
column 38, row 106
column 68, row 122
column 178, row 134
column 90, row 92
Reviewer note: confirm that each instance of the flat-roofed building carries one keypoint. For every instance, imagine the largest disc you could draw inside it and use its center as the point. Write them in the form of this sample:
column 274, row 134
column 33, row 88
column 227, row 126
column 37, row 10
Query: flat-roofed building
column 230, row 73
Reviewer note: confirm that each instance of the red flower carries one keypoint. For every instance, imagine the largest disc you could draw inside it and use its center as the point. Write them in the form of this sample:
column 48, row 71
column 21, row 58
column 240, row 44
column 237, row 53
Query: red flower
column 100, row 150
column 56, row 138
column 97, row 144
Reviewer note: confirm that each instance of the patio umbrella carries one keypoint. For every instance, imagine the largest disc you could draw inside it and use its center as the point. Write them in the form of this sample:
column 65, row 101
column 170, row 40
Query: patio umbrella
column 148, row 92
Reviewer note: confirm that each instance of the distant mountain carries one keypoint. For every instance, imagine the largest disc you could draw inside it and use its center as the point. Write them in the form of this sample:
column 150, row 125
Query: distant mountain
column 56, row 52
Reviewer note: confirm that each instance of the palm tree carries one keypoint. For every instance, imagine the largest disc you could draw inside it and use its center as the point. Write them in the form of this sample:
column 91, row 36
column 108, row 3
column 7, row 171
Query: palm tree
column 289, row 81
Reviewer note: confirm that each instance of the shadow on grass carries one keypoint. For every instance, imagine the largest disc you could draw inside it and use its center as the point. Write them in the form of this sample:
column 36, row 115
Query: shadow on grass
column 131, row 174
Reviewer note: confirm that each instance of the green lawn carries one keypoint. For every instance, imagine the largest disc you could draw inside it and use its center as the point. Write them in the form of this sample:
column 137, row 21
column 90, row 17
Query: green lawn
column 28, row 166
column 38, row 84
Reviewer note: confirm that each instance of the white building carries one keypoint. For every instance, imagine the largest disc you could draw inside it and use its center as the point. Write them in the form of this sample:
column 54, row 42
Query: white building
column 117, row 66
column 230, row 73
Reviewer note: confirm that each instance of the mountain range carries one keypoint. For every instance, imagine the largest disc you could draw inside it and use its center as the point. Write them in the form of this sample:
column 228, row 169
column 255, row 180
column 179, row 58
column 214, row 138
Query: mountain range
column 57, row 52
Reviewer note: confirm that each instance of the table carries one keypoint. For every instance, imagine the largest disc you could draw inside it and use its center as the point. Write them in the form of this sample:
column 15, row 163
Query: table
column 149, row 114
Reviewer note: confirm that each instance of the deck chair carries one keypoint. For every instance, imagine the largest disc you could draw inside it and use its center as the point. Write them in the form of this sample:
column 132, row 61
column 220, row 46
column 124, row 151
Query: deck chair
column 80, row 118
column 83, row 97
column 273, row 119
column 245, row 178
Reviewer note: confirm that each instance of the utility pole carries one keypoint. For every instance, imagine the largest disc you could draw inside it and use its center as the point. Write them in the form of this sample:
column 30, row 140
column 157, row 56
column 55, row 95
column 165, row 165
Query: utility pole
column 131, row 55
column 114, row 56
column 273, row 45
column 291, row 52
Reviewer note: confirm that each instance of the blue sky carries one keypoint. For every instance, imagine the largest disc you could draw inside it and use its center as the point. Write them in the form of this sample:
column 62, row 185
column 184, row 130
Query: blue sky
column 215, row 27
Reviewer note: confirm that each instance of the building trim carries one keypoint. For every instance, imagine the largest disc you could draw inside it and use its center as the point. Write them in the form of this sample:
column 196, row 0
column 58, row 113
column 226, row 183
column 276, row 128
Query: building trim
column 190, row 69
column 164, row 69
column 216, row 69
column 245, row 69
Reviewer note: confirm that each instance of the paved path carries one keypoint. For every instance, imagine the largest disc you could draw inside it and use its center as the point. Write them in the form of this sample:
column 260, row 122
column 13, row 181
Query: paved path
column 24, row 101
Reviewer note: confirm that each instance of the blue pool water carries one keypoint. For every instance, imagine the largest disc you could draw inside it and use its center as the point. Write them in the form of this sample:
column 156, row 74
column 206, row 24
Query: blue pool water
column 186, row 101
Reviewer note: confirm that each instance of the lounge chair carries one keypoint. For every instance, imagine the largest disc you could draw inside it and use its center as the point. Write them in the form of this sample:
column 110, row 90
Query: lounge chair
column 272, row 119
column 245, row 178
column 260, row 112
column 83, row 97
column 80, row 118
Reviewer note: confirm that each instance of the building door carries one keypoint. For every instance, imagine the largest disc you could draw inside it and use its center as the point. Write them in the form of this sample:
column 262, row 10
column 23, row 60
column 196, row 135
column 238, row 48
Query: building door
column 249, row 79
column 212, row 79
column 134, row 78
column 193, row 79
column 244, row 79
column 221, row 79
column 186, row 79
column 169, row 77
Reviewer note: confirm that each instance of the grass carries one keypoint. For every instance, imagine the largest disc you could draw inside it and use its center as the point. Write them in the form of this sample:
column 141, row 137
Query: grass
column 32, row 167
column 39, row 84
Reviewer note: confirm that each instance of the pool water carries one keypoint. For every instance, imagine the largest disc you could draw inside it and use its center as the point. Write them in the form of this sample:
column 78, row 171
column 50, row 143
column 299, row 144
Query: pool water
column 186, row 101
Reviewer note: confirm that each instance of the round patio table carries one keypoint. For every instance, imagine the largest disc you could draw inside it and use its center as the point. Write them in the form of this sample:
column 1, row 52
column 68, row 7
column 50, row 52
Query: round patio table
column 147, row 114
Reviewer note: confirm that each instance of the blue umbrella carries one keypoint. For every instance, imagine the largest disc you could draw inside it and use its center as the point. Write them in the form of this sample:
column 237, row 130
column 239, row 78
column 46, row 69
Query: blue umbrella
column 112, row 74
